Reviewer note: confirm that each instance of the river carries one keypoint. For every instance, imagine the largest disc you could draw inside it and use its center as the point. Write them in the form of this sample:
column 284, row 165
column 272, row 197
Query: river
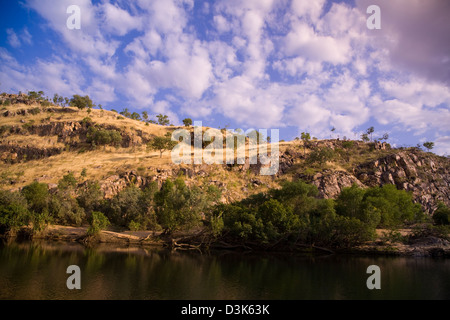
column 37, row 270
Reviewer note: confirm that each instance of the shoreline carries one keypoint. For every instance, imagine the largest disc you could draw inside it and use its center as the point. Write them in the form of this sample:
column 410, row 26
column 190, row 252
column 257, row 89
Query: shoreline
column 425, row 247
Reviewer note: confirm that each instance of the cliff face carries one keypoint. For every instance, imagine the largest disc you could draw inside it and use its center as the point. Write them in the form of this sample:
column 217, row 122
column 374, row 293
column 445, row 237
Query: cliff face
column 425, row 175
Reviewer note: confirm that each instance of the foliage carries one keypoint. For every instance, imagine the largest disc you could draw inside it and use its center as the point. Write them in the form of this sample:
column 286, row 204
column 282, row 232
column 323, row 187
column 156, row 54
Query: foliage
column 163, row 119
column 33, row 95
column 348, row 144
column 81, row 102
column 384, row 206
column 97, row 136
column 306, row 137
column 365, row 137
column 442, row 215
column 64, row 209
column 125, row 206
column 162, row 144
column 429, row 145
column 370, row 131
column 187, row 122
column 67, row 182
column 97, row 223
column 37, row 196
column 321, row 156
column 13, row 211
column 135, row 116
column 293, row 213
column 176, row 205
column 90, row 197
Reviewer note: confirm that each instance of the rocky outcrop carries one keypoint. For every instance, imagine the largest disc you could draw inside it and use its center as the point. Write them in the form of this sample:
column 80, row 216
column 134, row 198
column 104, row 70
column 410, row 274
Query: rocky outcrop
column 426, row 176
column 15, row 154
column 330, row 183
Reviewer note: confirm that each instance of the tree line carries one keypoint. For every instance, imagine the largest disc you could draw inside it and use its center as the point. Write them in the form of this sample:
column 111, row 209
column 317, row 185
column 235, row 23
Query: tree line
column 292, row 214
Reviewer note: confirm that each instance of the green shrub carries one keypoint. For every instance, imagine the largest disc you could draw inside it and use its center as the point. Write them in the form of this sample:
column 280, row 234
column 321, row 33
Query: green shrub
column 13, row 211
column 68, row 182
column 37, row 196
column 379, row 206
column 348, row 144
column 320, row 156
column 103, row 137
column 97, row 223
column 442, row 215
column 65, row 210
column 34, row 111
column 134, row 226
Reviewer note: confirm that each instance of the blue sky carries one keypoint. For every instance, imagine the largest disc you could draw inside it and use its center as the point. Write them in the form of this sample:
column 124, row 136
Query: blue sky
column 294, row 65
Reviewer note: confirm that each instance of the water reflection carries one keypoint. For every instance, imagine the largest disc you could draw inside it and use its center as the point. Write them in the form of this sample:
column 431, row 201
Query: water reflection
column 38, row 271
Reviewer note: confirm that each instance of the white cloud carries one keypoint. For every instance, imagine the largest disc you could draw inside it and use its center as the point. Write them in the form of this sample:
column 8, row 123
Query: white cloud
column 13, row 39
column 302, row 40
column 310, row 10
column 119, row 21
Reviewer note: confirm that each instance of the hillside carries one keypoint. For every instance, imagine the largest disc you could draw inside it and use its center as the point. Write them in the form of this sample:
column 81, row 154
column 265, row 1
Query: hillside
column 44, row 143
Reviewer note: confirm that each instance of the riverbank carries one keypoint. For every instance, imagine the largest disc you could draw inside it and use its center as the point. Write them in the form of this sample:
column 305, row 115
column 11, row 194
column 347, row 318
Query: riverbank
column 386, row 243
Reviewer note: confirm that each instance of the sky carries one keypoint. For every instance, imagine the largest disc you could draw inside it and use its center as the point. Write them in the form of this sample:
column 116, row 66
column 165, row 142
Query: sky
column 293, row 65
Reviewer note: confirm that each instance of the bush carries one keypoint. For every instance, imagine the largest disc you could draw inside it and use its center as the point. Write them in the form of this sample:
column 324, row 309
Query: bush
column 395, row 206
column 379, row 206
column 13, row 211
column 97, row 223
column 68, row 182
column 320, row 156
column 81, row 102
column 37, row 196
column 442, row 215
column 34, row 111
column 176, row 205
column 90, row 197
column 65, row 210
column 134, row 226
column 348, row 144
column 103, row 137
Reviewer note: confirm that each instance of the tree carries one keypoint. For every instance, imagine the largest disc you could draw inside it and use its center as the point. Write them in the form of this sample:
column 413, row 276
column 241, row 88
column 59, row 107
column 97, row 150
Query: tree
column 56, row 98
column 162, row 143
column 305, row 138
column 33, row 95
column 187, row 122
column 429, row 145
column 103, row 137
column 384, row 137
column 370, row 131
column 176, row 205
column 126, row 113
column 365, row 137
column 163, row 119
column 97, row 223
column 81, row 102
column 442, row 214
column 13, row 211
column 145, row 115
column 135, row 116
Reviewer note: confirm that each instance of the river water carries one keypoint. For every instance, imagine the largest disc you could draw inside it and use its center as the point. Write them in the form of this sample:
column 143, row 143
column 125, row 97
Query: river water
column 38, row 271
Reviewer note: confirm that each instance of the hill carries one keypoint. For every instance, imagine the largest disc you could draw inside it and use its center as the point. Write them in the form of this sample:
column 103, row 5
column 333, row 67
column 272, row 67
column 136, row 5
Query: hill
column 43, row 142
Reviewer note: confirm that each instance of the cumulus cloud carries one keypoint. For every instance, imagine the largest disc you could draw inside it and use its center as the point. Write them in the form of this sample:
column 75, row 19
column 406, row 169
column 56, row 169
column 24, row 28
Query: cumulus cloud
column 311, row 65
column 417, row 34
